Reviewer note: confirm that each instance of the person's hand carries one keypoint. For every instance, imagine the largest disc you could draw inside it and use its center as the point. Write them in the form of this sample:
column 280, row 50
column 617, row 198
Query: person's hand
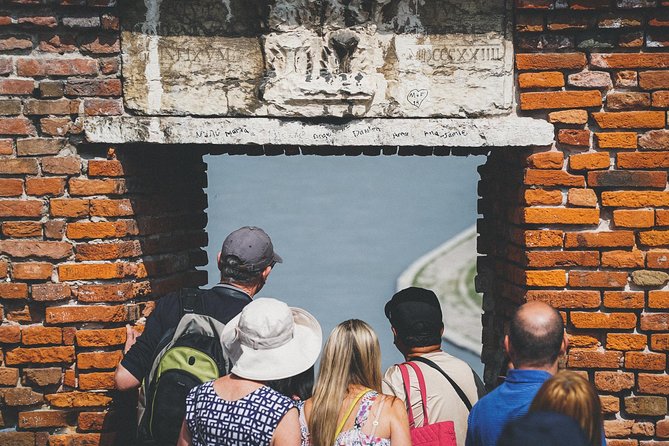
column 130, row 337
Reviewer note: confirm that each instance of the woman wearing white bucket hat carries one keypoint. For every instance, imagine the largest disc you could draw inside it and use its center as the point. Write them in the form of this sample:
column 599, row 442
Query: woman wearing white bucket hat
column 267, row 341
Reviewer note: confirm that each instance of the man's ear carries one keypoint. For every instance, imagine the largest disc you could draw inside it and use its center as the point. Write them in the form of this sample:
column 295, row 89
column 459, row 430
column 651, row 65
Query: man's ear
column 565, row 344
column 507, row 345
column 265, row 272
column 394, row 331
column 441, row 333
column 218, row 259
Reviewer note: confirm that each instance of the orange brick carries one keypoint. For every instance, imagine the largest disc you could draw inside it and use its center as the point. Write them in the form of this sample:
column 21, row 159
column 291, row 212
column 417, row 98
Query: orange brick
column 659, row 342
column 658, row 299
column 68, row 207
column 557, row 215
column 643, row 160
column 568, row 117
column 42, row 419
column 617, row 140
column 624, row 299
column 566, row 298
column 610, row 405
column 582, row 341
column 603, row 320
column 86, row 313
column 540, row 259
column 10, row 334
column 553, row 178
column 100, row 337
column 658, row 259
column 660, row 99
column 590, row 161
column 107, row 186
column 99, row 360
column 654, row 238
column 625, row 342
column 11, row 187
column 582, row 197
column 550, row 61
column 32, row 270
column 78, row 399
column 20, row 208
column 630, row 120
column 645, row 361
column 40, row 355
column 21, row 229
column 630, row 60
column 544, row 238
column 96, row 381
column 635, row 199
column 39, row 335
column 552, row 100
column 633, row 218
column 550, row 278
column 654, row 80
column 653, row 383
column 610, row 239
column 111, row 208
column 89, row 271
column 623, row 259
column 662, row 217
column 597, row 279
column 535, row 197
column 586, row 358
column 546, row 79
column 102, row 229
column 546, row 160
column 45, row 186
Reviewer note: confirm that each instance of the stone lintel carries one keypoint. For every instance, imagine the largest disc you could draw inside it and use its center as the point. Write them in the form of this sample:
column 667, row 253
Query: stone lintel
column 509, row 131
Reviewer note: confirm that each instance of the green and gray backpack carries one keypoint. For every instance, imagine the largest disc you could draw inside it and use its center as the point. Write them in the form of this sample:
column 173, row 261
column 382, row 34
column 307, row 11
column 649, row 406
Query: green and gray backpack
column 188, row 355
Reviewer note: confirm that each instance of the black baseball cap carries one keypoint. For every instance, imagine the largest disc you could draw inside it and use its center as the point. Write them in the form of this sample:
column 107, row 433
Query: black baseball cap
column 252, row 246
column 415, row 310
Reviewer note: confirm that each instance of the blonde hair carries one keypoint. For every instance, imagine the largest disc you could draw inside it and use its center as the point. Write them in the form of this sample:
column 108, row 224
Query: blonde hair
column 571, row 394
column 352, row 355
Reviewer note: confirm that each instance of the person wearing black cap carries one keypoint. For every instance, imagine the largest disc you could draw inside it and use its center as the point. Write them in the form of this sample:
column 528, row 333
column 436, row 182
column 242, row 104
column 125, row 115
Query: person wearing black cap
column 451, row 385
column 245, row 261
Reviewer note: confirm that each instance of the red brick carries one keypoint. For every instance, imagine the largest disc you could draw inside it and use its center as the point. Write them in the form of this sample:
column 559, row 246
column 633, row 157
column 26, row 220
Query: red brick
column 653, row 384
column 568, row 117
column 42, row 419
column 6, row 146
column 610, row 239
column 94, row 421
column 99, row 360
column 11, row 187
column 69, row 207
column 625, row 342
column 22, row 229
column 86, row 313
column 112, row 292
column 54, row 229
column 78, row 399
column 566, row 299
column 58, row 43
column 45, row 186
column 10, row 334
column 633, row 199
column 40, row 355
column 39, row 335
column 31, row 67
column 624, row 299
column 597, row 279
column 654, row 80
column 623, row 259
column 17, row 86
column 660, row 99
column 574, row 137
column 82, row 187
column 29, row 248
column 8, row 377
column 590, row 161
column 57, row 126
column 655, row 321
column 550, row 61
column 627, row 101
column 658, row 259
column 50, row 292
column 20, row 208
column 618, row 428
column 96, row 381
column 654, row 238
column 101, row 45
column 60, row 106
column 617, row 140
column 645, row 361
column 628, row 178
column 546, row 79
column 603, row 320
column 586, row 358
column 658, row 299
column 100, row 230
column 535, row 197
column 552, row 178
column 12, row 290
column 630, row 119
column 65, row 165
column 108, row 251
column 16, row 126
column 630, row 60
column 90, row 271
column 93, row 87
column 38, row 146
column 21, row 396
column 103, row 107
column 655, row 140
column 543, row 238
column 610, row 405
column 540, row 259
column 32, row 271
column 642, row 218
column 106, row 168
column 582, row 197
column 563, row 99
column 557, row 215
column 659, row 342
column 101, row 338
column 613, row 381
column 643, row 160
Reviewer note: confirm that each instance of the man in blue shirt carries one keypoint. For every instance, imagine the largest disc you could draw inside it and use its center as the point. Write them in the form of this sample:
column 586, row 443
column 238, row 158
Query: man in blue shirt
column 535, row 341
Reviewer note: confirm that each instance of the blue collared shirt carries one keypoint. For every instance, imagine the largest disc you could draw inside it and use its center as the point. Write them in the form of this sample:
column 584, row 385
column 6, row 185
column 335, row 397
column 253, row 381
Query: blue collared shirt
column 508, row 401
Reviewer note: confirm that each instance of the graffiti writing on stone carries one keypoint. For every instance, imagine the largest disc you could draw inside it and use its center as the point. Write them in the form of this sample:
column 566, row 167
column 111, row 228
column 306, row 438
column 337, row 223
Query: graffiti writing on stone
column 416, row 97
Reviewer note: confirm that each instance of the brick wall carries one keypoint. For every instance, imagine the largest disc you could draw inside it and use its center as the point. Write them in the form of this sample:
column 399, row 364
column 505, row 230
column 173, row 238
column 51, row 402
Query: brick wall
column 583, row 225
column 89, row 236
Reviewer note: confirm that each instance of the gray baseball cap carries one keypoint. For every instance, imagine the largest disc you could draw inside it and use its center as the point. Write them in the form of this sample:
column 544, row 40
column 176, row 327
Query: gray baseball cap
column 252, row 246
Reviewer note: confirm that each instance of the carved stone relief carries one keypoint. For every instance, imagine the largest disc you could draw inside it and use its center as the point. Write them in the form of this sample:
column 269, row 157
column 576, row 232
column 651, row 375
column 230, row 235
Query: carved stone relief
column 353, row 58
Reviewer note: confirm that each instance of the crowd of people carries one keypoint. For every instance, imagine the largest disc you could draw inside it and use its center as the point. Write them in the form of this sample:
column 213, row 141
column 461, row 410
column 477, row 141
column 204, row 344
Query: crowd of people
column 268, row 393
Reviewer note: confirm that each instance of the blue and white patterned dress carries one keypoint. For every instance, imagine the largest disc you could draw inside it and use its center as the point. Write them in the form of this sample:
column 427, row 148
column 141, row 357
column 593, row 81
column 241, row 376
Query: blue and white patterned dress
column 250, row 420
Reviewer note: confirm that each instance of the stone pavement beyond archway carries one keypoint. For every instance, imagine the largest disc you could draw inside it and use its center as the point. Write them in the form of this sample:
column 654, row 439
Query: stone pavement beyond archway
column 106, row 110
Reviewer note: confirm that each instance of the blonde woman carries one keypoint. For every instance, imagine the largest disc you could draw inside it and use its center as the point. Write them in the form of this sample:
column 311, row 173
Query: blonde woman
column 348, row 408
column 571, row 394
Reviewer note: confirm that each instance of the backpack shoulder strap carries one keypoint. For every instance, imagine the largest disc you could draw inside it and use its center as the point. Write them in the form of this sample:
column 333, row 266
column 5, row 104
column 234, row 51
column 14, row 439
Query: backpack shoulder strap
column 191, row 301
column 457, row 388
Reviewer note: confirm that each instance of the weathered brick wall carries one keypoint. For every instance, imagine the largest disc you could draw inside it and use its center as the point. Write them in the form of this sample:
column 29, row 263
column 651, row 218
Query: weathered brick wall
column 89, row 235
column 587, row 229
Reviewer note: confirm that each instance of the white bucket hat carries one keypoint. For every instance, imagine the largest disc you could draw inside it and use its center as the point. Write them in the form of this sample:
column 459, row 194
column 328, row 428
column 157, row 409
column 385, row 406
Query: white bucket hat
column 269, row 340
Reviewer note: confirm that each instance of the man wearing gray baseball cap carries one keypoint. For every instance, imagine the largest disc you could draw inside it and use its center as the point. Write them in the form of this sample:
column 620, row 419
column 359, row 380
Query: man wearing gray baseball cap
column 245, row 261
